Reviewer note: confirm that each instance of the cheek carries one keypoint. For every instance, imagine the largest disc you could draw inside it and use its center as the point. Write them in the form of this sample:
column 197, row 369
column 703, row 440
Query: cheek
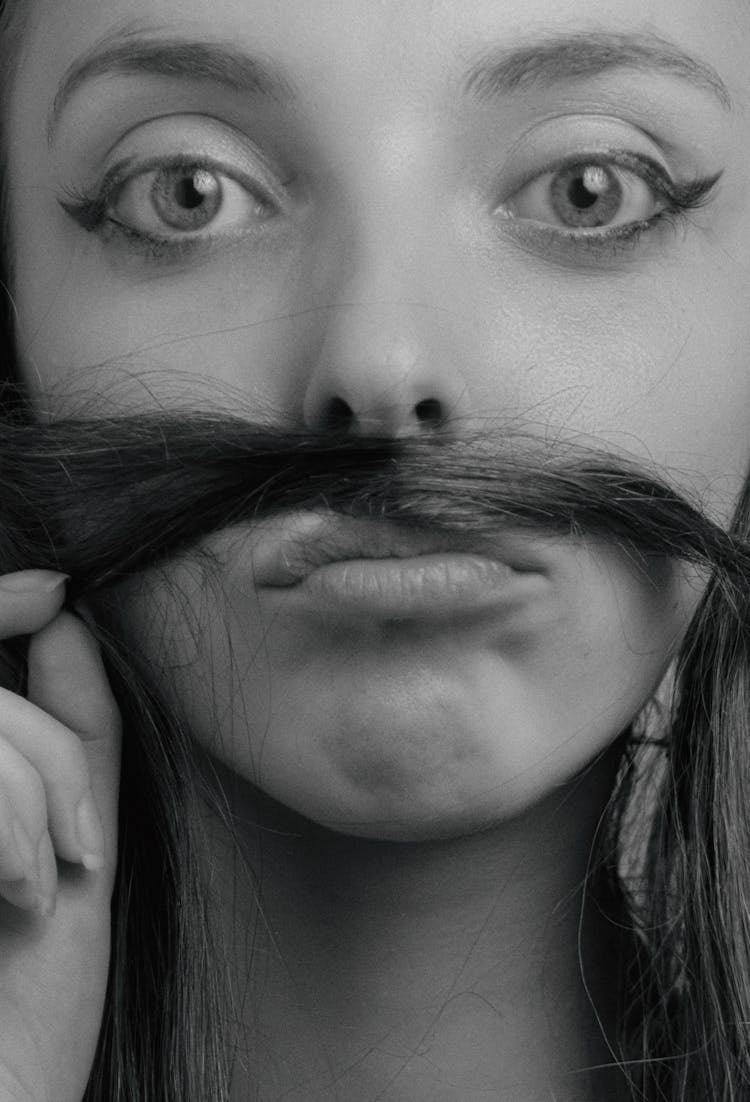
column 243, row 323
column 654, row 366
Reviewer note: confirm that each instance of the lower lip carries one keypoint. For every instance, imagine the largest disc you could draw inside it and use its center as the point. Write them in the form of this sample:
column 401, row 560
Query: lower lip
column 446, row 584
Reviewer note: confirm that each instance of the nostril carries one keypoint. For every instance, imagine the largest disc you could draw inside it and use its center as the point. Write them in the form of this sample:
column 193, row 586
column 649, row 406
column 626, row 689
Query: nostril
column 338, row 416
column 429, row 413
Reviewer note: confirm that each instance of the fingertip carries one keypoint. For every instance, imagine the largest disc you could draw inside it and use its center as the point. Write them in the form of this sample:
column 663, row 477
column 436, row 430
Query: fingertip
column 93, row 862
column 29, row 599
column 33, row 582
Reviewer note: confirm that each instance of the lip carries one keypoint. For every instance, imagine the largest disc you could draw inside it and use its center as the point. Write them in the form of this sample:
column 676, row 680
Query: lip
column 358, row 566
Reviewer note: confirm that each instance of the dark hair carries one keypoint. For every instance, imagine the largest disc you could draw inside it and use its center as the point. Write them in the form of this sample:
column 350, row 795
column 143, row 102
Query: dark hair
column 681, row 908
column 174, row 478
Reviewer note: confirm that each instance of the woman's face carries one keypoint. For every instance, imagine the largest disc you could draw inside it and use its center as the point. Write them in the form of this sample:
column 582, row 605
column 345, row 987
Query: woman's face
column 428, row 216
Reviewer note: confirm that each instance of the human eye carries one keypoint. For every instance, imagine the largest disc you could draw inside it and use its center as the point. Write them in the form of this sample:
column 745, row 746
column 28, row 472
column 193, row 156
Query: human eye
column 168, row 205
column 604, row 198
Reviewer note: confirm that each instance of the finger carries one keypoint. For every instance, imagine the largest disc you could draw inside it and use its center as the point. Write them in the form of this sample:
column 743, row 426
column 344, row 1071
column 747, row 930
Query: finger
column 44, row 766
column 38, row 891
column 29, row 599
column 25, row 795
column 18, row 851
column 68, row 682
column 26, row 878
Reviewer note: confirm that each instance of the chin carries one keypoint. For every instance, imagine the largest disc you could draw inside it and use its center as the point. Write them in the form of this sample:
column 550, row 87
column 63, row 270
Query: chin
column 439, row 819
column 433, row 767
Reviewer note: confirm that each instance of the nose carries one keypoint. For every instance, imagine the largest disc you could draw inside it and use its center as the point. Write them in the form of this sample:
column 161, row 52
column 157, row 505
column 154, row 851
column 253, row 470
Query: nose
column 384, row 369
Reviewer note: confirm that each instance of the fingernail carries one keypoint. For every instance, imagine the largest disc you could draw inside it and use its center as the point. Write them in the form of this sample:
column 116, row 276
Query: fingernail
column 26, row 849
column 46, row 881
column 33, row 581
column 90, row 833
column 47, row 866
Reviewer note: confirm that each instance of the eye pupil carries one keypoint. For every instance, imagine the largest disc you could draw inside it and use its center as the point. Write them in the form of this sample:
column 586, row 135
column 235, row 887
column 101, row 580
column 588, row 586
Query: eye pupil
column 586, row 188
column 186, row 199
column 580, row 196
column 586, row 196
column 187, row 195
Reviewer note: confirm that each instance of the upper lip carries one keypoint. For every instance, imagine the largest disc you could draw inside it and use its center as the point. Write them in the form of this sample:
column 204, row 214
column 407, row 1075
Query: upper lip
column 288, row 547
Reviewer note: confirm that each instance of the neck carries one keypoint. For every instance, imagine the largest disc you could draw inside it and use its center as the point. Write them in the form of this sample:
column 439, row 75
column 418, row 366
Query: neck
column 396, row 971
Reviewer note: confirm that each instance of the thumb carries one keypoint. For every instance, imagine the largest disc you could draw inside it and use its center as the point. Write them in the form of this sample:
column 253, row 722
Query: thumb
column 67, row 679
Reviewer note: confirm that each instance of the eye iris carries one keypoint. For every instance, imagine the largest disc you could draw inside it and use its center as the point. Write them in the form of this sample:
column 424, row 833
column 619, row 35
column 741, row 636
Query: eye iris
column 586, row 195
column 186, row 199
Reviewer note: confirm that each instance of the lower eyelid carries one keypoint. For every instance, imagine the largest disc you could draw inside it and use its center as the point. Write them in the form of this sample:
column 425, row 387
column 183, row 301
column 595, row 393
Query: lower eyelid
column 581, row 250
column 149, row 246
column 167, row 251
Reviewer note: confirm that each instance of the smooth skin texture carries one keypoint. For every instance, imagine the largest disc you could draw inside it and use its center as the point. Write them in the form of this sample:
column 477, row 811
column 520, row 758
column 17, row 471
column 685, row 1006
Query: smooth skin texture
column 386, row 241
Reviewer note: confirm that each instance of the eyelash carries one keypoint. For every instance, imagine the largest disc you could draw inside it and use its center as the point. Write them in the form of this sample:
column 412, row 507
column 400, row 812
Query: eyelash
column 90, row 211
column 680, row 200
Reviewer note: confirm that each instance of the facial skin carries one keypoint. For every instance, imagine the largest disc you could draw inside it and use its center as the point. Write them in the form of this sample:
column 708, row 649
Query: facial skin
column 400, row 247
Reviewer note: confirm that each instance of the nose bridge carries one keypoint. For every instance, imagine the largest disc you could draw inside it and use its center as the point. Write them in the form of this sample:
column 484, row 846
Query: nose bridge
column 398, row 226
column 389, row 361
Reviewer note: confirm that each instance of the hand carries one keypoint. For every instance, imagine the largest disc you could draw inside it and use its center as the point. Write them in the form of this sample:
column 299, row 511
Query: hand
column 59, row 773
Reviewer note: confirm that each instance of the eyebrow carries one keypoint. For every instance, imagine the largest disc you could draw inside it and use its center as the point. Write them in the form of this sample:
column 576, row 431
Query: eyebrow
column 131, row 55
column 588, row 54
column 500, row 73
